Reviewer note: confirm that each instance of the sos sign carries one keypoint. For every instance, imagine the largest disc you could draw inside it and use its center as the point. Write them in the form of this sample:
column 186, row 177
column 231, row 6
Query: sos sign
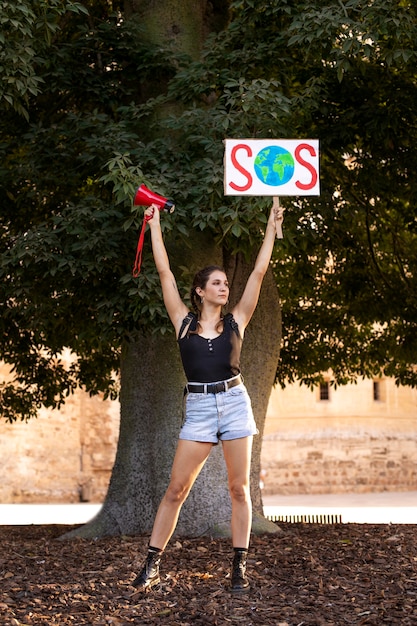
column 271, row 167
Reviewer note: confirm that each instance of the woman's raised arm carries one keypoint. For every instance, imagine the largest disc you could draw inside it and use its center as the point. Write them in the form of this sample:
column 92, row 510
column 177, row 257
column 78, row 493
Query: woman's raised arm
column 175, row 307
column 244, row 309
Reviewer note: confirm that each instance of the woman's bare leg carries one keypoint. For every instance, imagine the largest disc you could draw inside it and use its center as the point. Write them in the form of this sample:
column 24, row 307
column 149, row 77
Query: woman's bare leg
column 237, row 454
column 188, row 462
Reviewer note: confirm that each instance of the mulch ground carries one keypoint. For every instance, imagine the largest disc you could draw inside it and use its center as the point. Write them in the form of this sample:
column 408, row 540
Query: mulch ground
column 311, row 575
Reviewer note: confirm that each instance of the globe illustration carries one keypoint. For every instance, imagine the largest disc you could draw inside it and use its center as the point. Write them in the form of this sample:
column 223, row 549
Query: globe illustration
column 274, row 165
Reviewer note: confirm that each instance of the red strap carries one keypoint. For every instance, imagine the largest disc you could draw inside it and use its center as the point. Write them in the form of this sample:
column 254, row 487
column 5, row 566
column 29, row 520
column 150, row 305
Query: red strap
column 138, row 260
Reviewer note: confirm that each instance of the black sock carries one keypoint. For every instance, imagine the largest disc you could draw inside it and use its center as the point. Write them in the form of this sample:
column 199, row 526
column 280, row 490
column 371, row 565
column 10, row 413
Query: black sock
column 153, row 549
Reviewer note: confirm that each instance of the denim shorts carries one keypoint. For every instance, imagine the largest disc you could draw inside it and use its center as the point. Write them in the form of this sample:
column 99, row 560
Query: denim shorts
column 218, row 416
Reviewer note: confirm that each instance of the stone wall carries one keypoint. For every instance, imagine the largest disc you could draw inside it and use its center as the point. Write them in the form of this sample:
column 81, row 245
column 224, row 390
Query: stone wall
column 61, row 456
column 351, row 443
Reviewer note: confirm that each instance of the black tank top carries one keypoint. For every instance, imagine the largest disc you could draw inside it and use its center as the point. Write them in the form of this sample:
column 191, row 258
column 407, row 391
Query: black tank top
column 210, row 360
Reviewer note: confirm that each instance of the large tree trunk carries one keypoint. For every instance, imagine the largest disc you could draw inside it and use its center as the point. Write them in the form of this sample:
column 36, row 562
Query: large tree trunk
column 150, row 416
column 152, row 378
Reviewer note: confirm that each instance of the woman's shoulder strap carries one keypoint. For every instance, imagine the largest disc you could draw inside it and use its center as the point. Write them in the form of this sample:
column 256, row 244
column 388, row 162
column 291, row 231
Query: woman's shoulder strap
column 229, row 319
column 188, row 323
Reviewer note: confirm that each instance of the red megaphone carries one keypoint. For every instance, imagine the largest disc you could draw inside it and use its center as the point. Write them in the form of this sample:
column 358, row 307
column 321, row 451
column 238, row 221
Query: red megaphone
column 146, row 197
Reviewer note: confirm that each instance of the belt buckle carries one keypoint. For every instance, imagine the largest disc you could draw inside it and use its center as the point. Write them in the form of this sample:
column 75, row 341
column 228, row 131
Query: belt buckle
column 219, row 387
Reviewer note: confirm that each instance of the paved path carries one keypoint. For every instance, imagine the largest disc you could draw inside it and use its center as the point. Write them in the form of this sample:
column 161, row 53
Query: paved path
column 360, row 508
column 371, row 508
column 26, row 514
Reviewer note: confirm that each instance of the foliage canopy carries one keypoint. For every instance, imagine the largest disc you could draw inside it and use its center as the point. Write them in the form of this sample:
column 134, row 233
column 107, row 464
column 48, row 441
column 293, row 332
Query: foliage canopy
column 81, row 127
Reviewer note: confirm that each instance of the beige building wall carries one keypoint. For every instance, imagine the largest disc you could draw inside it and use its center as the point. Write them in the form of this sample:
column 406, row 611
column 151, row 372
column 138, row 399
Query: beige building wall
column 61, row 456
column 352, row 442
column 348, row 443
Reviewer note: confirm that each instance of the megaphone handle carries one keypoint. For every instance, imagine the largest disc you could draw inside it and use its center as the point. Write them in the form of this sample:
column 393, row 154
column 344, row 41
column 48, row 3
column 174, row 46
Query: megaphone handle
column 139, row 249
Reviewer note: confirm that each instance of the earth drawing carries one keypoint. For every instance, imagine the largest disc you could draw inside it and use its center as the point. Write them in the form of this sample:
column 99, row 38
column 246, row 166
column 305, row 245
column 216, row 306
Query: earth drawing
column 274, row 165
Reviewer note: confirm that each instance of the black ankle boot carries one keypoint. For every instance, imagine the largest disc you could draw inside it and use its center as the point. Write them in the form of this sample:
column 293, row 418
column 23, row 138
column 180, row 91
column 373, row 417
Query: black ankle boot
column 239, row 581
column 149, row 576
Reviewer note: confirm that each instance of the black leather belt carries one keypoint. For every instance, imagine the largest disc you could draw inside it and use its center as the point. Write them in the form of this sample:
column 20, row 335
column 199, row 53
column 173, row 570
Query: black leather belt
column 223, row 385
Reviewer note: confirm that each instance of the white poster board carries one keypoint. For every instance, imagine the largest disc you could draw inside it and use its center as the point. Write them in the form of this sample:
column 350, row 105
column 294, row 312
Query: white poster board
column 271, row 167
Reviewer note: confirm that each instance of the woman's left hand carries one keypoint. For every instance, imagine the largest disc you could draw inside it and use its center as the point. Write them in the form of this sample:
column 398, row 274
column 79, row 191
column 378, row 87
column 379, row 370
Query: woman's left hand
column 277, row 216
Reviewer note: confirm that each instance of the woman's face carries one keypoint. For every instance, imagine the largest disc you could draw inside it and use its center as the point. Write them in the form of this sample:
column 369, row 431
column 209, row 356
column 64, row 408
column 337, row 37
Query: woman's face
column 216, row 290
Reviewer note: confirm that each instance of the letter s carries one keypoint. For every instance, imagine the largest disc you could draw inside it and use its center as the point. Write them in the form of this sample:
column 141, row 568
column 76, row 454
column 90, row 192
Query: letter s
column 307, row 165
column 240, row 168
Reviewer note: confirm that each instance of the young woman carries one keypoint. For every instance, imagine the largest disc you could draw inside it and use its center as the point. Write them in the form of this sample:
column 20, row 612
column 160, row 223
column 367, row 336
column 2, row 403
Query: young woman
column 217, row 403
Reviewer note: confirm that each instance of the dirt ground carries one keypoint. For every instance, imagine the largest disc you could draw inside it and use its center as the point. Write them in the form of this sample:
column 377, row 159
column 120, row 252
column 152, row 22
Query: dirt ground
column 311, row 575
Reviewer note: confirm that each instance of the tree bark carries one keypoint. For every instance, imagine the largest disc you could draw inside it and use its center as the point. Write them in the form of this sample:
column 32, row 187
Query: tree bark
column 150, row 416
column 152, row 379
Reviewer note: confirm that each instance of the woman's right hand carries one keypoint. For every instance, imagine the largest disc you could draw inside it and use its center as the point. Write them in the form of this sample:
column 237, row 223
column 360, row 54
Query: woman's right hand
column 152, row 214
